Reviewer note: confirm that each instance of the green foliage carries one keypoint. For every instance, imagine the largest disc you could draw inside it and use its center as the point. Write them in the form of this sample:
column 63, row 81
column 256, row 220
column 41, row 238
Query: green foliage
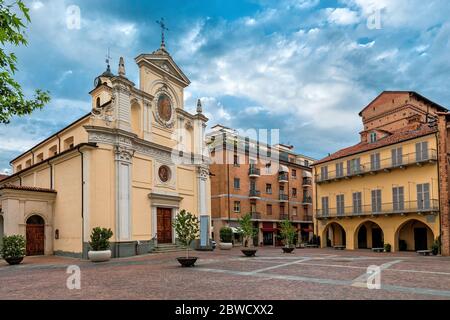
column 13, row 247
column 187, row 228
column 247, row 229
column 436, row 247
column 287, row 233
column 12, row 99
column 100, row 239
column 387, row 247
column 226, row 234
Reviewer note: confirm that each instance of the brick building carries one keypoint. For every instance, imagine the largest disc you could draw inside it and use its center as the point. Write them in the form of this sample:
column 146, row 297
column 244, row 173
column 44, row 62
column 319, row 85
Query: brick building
column 273, row 183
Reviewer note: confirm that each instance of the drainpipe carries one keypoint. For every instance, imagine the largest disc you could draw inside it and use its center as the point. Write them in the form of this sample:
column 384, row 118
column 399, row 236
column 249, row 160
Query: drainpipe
column 82, row 201
column 59, row 144
column 32, row 157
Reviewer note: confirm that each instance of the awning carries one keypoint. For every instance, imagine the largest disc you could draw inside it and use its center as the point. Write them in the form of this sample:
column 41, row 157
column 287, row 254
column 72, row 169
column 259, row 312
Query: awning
column 306, row 174
column 269, row 229
column 283, row 168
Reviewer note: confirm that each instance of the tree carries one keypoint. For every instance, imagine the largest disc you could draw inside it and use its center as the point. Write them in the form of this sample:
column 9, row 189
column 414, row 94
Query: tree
column 186, row 226
column 287, row 233
column 247, row 229
column 12, row 98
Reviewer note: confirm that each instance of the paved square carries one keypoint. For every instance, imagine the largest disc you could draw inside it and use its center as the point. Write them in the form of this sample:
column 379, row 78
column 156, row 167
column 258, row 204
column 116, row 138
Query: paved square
column 305, row 274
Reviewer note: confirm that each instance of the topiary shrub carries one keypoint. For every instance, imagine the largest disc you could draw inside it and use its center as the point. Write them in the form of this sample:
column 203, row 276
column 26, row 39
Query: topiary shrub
column 13, row 247
column 387, row 247
column 226, row 234
column 100, row 239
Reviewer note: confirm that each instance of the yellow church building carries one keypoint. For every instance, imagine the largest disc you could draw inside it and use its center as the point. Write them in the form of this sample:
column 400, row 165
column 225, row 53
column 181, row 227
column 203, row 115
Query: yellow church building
column 130, row 165
column 392, row 186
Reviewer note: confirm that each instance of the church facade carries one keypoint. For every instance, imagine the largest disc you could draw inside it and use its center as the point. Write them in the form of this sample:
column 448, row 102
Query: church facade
column 131, row 164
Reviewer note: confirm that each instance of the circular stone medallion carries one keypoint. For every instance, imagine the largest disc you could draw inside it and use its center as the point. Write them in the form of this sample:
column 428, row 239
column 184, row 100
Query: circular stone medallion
column 164, row 173
column 164, row 107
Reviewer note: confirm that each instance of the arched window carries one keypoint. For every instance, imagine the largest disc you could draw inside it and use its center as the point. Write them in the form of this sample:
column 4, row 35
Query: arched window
column 97, row 104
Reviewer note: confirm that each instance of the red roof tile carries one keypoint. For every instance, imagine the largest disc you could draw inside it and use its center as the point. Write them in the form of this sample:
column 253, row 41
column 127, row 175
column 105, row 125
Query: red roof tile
column 3, row 176
column 397, row 136
column 25, row 188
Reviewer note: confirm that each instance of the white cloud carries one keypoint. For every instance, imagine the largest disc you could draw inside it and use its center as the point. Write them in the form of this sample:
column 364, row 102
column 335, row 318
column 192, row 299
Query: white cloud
column 36, row 5
column 342, row 16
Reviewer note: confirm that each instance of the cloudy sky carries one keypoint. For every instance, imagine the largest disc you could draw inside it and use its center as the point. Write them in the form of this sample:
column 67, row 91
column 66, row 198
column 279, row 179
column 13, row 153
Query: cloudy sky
column 306, row 67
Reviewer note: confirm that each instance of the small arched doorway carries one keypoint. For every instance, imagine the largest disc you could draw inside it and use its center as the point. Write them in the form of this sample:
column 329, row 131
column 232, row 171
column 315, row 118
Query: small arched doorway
column 334, row 235
column 35, row 232
column 414, row 235
column 369, row 235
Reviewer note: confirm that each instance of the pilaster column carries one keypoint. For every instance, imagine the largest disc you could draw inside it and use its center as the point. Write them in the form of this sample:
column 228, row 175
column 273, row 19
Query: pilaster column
column 124, row 160
column 203, row 175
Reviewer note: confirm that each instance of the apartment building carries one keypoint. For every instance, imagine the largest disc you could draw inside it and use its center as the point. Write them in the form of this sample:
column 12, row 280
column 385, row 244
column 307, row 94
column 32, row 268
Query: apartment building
column 272, row 183
column 391, row 187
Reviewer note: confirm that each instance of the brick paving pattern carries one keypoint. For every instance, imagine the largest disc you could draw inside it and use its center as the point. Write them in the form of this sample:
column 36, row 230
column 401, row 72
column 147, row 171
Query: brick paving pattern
column 305, row 274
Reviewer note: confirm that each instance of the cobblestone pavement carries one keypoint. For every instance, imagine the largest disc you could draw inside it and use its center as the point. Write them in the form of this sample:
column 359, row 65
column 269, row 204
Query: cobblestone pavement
column 305, row 274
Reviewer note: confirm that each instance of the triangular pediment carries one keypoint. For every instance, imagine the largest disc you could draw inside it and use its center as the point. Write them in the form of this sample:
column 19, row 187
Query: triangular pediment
column 163, row 62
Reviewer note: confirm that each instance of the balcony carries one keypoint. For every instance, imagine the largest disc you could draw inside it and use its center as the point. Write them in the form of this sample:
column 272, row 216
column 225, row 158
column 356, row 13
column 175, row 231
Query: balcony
column 386, row 165
column 307, row 200
column 256, row 215
column 283, row 197
column 283, row 178
column 254, row 172
column 308, row 218
column 385, row 209
column 307, row 182
column 254, row 194
column 284, row 216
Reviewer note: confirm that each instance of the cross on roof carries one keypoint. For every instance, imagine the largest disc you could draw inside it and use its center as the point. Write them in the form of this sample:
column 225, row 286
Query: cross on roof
column 163, row 28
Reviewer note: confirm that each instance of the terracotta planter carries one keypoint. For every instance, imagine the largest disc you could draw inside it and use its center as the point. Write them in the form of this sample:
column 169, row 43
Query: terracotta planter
column 14, row 260
column 187, row 262
column 99, row 256
column 225, row 245
column 249, row 252
column 288, row 249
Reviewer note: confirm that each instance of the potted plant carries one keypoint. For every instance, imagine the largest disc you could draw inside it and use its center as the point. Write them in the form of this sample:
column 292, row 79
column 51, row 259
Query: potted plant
column 13, row 249
column 226, row 237
column 186, row 227
column 100, row 245
column 387, row 247
column 436, row 246
column 248, row 232
column 287, row 233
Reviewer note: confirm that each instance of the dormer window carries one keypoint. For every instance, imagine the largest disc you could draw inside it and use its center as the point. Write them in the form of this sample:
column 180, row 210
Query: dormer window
column 373, row 137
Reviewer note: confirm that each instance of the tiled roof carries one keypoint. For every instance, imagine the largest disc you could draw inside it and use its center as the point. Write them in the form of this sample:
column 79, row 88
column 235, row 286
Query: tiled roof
column 397, row 136
column 25, row 188
column 3, row 176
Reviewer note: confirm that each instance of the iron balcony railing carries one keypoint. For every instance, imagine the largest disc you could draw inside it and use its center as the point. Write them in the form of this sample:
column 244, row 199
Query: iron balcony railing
column 307, row 181
column 307, row 200
column 252, row 171
column 283, row 177
column 284, row 216
column 256, row 215
column 429, row 206
column 387, row 164
column 308, row 217
column 254, row 193
column 283, row 197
